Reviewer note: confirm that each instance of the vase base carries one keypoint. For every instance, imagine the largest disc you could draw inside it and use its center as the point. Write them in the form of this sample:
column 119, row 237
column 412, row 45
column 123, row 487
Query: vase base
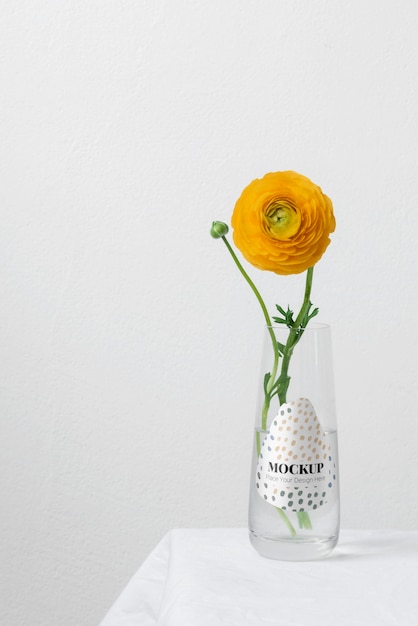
column 297, row 549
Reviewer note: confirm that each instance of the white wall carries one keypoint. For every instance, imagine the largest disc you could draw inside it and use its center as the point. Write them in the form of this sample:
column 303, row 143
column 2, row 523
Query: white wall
column 129, row 343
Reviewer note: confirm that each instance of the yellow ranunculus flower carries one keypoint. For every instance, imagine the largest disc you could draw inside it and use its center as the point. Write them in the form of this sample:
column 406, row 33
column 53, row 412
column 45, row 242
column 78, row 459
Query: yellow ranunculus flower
column 282, row 223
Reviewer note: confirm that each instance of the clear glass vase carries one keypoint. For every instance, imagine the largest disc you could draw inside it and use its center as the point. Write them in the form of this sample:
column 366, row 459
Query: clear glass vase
column 294, row 494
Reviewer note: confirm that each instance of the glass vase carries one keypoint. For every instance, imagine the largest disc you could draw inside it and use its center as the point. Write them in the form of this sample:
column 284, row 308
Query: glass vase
column 294, row 493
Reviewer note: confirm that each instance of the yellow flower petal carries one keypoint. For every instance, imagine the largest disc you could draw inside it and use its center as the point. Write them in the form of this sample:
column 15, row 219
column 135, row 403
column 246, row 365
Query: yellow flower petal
column 282, row 223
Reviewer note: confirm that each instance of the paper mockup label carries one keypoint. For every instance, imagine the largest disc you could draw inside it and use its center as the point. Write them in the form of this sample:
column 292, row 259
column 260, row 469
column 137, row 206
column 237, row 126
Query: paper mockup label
column 297, row 466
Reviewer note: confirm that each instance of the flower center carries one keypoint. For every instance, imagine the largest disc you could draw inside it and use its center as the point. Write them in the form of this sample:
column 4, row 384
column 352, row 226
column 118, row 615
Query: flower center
column 282, row 219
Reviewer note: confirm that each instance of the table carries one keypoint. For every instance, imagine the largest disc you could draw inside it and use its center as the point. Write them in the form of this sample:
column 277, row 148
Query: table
column 211, row 577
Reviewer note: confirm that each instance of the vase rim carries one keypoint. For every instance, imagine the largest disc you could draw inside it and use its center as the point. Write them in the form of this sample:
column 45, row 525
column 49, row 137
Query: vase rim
column 311, row 326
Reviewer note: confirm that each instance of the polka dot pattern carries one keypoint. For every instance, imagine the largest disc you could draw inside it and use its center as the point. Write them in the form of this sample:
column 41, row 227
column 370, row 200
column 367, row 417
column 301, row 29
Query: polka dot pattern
column 296, row 469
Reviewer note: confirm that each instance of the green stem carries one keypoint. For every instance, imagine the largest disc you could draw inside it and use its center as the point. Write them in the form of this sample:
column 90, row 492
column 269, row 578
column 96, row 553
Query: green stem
column 258, row 442
column 253, row 287
column 295, row 334
column 286, row 521
column 270, row 331
column 304, row 520
column 266, row 406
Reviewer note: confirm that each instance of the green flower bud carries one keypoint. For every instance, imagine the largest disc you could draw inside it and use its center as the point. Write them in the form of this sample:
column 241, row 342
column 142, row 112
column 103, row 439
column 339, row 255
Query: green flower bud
column 218, row 230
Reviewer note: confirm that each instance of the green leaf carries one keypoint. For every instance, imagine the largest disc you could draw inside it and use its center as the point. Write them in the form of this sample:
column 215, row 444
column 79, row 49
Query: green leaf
column 279, row 320
column 314, row 312
column 287, row 317
column 267, row 377
column 281, row 347
column 282, row 311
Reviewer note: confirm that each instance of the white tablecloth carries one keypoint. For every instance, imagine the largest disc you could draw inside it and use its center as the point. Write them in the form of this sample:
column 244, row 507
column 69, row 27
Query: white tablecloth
column 210, row 577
